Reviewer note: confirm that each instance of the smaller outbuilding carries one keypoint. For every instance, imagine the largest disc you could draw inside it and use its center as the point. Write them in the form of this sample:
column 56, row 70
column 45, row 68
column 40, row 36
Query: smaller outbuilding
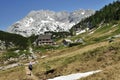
column 66, row 42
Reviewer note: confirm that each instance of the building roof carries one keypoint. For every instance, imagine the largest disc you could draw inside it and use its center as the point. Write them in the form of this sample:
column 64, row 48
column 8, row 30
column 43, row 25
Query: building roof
column 44, row 37
column 68, row 40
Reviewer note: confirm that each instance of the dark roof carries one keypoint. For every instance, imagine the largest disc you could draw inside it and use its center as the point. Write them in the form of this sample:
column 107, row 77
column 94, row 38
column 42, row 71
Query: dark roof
column 44, row 37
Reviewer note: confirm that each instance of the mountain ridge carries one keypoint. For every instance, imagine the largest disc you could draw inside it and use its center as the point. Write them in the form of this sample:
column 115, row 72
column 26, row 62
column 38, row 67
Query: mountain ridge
column 109, row 13
column 37, row 22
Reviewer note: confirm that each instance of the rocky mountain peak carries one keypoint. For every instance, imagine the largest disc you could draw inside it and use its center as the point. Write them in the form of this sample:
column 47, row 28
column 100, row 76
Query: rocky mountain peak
column 37, row 22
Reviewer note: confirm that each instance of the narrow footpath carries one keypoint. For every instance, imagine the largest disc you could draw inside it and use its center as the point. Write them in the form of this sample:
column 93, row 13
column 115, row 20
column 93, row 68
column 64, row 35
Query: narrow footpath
column 29, row 74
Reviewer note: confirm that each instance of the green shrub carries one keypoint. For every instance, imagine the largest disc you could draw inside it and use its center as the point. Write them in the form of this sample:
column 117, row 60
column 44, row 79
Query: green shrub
column 74, row 44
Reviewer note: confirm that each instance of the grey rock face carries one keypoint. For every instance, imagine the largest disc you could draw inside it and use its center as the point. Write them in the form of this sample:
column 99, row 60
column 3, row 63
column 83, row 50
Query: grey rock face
column 37, row 22
column 4, row 45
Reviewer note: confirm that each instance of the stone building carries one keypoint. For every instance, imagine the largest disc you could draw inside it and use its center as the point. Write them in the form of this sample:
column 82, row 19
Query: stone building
column 45, row 39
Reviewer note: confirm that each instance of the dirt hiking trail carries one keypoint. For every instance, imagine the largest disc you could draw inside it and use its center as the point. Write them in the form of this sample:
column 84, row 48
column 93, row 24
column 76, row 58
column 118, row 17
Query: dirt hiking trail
column 29, row 75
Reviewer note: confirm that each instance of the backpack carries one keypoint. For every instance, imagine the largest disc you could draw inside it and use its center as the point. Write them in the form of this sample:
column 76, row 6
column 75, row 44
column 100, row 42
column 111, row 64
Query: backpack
column 30, row 67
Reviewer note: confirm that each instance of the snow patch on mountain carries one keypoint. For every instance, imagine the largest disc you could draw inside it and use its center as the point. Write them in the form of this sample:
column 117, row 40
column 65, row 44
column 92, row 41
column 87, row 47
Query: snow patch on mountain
column 38, row 22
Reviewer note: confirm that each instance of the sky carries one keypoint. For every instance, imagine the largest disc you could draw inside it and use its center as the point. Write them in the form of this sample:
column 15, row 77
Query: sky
column 14, row 10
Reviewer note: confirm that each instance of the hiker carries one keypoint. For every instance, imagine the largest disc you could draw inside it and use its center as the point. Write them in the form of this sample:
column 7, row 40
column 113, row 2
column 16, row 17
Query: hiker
column 30, row 67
